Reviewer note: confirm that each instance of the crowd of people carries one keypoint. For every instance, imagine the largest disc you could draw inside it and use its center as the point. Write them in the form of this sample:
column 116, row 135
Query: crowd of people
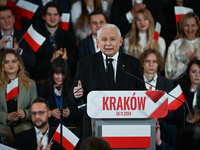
column 103, row 37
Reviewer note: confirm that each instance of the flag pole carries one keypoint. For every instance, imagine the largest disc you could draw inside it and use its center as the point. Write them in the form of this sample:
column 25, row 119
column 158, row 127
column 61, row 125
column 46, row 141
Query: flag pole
column 21, row 39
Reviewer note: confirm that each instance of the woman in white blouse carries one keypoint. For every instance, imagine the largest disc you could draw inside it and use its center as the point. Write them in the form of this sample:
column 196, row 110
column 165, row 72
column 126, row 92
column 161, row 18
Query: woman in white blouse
column 184, row 49
column 141, row 36
column 80, row 12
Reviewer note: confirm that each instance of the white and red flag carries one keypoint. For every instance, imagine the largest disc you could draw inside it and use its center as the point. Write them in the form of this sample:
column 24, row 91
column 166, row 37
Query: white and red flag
column 180, row 11
column 64, row 21
column 127, row 136
column 12, row 89
column 157, row 31
column 26, row 8
column 33, row 38
column 69, row 140
column 174, row 103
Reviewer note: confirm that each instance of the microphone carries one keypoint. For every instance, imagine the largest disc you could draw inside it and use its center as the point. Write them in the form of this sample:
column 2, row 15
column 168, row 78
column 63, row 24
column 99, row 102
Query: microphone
column 122, row 67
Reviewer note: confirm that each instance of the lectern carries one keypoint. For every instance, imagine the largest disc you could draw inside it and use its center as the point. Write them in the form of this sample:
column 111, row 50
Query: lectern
column 126, row 119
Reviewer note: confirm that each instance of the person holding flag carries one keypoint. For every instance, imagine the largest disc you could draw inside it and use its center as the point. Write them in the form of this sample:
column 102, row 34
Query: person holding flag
column 11, row 38
column 142, row 35
column 192, row 80
column 185, row 49
column 17, row 93
column 40, row 136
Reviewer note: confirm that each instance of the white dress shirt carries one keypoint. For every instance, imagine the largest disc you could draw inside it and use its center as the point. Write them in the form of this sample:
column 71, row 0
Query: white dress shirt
column 45, row 137
column 152, row 82
column 114, row 62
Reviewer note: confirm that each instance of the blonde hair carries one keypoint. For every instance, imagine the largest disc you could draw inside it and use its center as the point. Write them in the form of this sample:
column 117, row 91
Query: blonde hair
column 23, row 79
column 134, row 38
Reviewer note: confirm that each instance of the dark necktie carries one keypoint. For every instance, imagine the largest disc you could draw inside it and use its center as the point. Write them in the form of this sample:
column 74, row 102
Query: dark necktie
column 110, row 74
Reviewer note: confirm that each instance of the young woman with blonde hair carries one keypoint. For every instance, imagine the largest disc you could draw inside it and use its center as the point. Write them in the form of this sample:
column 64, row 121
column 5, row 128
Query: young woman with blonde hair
column 141, row 35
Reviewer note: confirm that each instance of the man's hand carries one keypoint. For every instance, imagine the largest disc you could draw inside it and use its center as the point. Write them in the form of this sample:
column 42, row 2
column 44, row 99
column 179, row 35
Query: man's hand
column 21, row 113
column 136, row 7
column 56, row 113
column 13, row 116
column 192, row 55
column 16, row 46
column 158, row 140
column 66, row 112
column 78, row 90
column 3, row 42
column 61, row 52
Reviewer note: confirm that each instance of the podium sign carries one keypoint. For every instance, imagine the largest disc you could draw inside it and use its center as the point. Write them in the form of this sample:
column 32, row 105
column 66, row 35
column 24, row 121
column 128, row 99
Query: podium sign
column 127, row 104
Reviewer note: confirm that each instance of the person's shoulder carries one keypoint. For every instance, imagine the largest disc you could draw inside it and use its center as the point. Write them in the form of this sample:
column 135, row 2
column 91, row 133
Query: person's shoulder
column 166, row 80
column 17, row 31
column 78, row 3
column 90, row 58
column 129, row 57
column 25, row 133
column 161, row 40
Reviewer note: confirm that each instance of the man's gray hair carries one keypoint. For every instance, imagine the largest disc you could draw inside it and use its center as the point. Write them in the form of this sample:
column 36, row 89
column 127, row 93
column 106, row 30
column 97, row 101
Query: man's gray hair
column 106, row 26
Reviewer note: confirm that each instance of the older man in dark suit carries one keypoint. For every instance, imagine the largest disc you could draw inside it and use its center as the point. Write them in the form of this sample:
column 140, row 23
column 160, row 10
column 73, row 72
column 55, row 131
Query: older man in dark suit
column 105, row 70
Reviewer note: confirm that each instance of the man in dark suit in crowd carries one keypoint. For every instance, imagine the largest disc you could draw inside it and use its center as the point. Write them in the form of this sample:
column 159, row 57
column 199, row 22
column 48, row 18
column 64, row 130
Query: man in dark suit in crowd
column 38, row 137
column 89, row 46
column 122, row 13
column 96, row 73
column 11, row 38
column 58, row 42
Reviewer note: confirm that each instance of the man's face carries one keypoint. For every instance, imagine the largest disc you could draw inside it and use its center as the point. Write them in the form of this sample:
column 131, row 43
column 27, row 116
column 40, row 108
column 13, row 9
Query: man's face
column 150, row 64
column 52, row 17
column 40, row 115
column 7, row 20
column 109, row 41
column 96, row 22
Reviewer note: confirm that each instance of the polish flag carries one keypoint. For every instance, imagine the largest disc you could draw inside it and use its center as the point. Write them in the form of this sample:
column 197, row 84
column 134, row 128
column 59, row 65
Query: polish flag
column 64, row 21
column 11, row 4
column 180, row 11
column 26, row 8
column 174, row 103
column 127, row 136
column 12, row 89
column 157, row 31
column 69, row 140
column 33, row 38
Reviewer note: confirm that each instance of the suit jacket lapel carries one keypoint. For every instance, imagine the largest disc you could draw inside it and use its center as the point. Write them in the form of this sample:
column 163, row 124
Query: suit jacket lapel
column 159, row 84
column 21, row 95
column 3, row 97
column 120, row 73
column 91, row 45
column 101, row 69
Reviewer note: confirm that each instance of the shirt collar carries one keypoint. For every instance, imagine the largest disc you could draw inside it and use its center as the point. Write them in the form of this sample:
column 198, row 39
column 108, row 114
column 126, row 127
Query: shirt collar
column 153, row 80
column 39, row 132
column 12, row 34
column 115, row 57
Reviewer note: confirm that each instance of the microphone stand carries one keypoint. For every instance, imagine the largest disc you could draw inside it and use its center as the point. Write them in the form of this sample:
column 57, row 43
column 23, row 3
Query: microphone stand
column 61, row 117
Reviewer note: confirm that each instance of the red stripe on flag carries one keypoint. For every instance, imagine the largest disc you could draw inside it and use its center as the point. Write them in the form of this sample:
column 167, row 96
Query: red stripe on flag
column 11, row 4
column 129, row 142
column 64, row 25
column 65, row 143
column 161, row 111
column 12, row 93
column 178, row 17
column 176, row 103
column 25, row 13
column 156, row 36
column 34, row 45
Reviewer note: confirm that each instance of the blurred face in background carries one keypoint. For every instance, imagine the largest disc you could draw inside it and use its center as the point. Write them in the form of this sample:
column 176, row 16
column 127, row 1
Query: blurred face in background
column 179, row 2
column 150, row 65
column 190, row 28
column 58, row 79
column 142, row 23
column 195, row 74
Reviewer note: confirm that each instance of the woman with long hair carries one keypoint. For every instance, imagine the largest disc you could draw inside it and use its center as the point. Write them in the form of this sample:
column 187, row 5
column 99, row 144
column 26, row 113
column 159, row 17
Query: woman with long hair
column 15, row 101
column 55, row 90
column 185, row 49
column 141, row 35
column 80, row 13
column 192, row 80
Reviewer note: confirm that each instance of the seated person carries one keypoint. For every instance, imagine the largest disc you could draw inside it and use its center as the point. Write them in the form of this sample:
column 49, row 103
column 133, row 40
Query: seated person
column 15, row 112
column 38, row 137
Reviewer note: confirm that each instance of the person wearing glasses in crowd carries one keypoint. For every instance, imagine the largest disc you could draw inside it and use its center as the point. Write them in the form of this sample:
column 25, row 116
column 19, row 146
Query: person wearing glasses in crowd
column 38, row 137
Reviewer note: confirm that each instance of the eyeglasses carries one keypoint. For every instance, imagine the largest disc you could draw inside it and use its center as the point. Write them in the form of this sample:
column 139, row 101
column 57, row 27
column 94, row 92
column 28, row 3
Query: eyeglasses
column 40, row 113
